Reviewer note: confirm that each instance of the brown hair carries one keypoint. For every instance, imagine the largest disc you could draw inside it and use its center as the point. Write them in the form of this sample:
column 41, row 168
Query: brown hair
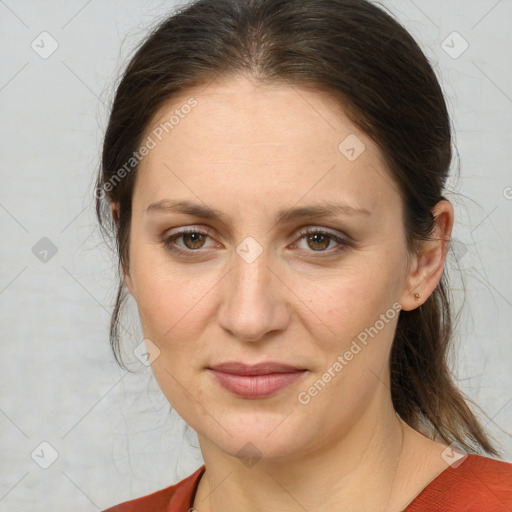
column 364, row 58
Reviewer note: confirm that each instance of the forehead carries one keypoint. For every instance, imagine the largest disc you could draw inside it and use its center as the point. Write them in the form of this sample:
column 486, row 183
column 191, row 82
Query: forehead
column 242, row 141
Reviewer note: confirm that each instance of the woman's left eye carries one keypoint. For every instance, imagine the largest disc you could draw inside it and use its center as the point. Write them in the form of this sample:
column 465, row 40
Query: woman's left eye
column 321, row 239
column 317, row 240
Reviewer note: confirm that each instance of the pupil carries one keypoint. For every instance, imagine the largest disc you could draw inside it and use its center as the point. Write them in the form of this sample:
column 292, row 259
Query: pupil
column 317, row 236
column 195, row 238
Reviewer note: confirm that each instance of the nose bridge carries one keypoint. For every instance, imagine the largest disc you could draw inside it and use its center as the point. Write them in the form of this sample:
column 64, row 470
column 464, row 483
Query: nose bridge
column 254, row 303
column 251, row 268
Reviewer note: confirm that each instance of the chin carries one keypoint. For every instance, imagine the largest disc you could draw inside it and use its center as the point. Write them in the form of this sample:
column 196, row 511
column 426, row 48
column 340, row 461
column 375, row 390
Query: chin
column 253, row 448
column 256, row 436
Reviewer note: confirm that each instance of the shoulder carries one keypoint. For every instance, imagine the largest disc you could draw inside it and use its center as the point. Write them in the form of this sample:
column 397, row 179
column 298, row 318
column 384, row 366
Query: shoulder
column 176, row 498
column 475, row 483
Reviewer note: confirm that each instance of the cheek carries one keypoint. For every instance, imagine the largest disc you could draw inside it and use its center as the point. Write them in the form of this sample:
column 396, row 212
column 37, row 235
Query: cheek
column 171, row 299
column 358, row 313
column 343, row 303
column 174, row 309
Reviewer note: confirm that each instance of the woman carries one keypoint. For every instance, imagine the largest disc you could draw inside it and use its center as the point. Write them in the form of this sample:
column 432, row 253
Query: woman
column 273, row 171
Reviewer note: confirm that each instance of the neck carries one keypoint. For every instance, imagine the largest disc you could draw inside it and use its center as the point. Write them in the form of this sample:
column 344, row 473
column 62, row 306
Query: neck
column 355, row 472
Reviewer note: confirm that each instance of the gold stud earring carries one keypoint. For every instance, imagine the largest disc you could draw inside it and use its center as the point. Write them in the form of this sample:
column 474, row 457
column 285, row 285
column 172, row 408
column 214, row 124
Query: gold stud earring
column 417, row 295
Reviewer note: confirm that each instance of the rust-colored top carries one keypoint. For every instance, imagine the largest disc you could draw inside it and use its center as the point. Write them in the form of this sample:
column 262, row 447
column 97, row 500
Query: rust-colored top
column 478, row 484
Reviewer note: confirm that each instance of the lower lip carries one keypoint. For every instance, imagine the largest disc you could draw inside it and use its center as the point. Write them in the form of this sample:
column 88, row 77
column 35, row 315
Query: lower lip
column 256, row 386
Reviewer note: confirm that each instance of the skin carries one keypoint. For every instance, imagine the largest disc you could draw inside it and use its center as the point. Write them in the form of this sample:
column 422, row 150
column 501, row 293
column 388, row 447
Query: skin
column 249, row 150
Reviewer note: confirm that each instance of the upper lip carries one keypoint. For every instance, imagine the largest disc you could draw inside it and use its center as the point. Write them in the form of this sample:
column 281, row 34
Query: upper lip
column 265, row 368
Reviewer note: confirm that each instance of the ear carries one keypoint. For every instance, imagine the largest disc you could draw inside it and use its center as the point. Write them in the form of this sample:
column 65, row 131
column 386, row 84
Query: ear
column 129, row 284
column 426, row 268
column 115, row 210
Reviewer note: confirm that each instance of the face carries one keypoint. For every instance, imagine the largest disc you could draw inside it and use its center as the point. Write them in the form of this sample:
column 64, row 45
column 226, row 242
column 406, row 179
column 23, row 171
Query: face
column 253, row 285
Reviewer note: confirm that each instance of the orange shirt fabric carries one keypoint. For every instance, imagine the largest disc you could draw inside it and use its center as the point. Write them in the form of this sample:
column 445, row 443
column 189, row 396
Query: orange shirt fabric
column 474, row 484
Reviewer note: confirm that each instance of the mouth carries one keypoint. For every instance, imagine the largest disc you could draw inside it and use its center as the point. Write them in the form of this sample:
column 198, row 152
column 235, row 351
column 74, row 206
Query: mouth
column 255, row 381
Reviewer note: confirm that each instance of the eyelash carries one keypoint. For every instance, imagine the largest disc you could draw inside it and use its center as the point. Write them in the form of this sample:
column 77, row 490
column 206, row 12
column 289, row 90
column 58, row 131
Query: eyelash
column 169, row 240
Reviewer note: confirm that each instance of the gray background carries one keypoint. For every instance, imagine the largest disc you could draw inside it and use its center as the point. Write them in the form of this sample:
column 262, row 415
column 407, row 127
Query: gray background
column 111, row 430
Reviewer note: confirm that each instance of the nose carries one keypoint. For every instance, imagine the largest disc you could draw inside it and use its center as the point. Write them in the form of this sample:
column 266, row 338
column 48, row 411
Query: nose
column 255, row 299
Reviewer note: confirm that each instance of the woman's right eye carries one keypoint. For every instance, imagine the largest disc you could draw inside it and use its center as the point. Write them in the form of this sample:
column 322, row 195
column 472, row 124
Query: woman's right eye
column 193, row 240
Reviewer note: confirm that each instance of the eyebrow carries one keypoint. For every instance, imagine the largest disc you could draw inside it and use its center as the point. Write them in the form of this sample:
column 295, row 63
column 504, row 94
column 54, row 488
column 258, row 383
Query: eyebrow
column 326, row 209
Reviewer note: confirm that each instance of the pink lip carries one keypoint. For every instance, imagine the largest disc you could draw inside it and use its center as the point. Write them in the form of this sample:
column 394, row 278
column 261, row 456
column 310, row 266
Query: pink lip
column 255, row 381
